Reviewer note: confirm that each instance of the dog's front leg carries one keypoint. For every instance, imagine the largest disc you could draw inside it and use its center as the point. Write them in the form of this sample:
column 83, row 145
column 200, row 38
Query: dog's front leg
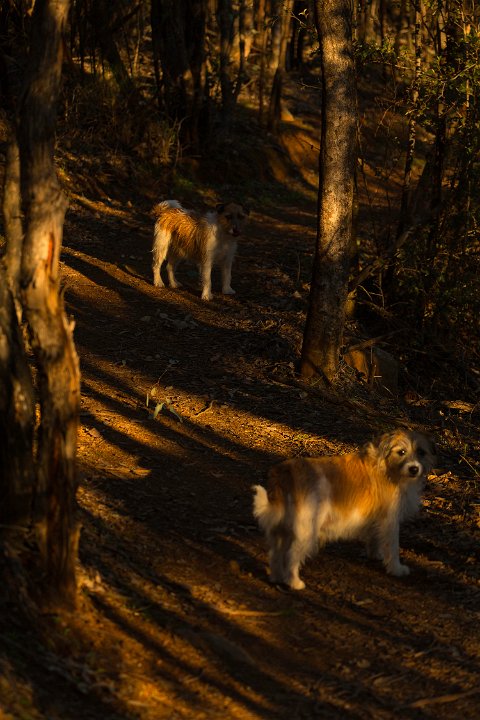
column 389, row 539
column 227, row 274
column 206, row 278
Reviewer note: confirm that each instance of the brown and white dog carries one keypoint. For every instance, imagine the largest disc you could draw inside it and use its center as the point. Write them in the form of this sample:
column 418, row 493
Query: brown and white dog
column 311, row 501
column 206, row 239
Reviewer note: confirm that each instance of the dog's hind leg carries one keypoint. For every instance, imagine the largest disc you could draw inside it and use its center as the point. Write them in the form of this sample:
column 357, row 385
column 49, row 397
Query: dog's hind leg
column 161, row 240
column 172, row 263
column 295, row 556
column 277, row 556
column 305, row 540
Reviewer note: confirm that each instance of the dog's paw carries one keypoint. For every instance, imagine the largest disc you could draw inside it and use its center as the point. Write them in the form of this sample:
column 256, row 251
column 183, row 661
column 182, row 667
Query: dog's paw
column 207, row 296
column 158, row 283
column 398, row 570
column 228, row 291
column 175, row 284
column 296, row 584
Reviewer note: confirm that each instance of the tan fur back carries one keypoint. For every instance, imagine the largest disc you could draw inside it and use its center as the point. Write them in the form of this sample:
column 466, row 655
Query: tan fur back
column 353, row 481
column 189, row 231
column 367, row 480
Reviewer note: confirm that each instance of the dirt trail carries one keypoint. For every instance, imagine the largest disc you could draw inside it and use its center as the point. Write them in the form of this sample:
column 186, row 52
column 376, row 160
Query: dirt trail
column 175, row 591
column 176, row 617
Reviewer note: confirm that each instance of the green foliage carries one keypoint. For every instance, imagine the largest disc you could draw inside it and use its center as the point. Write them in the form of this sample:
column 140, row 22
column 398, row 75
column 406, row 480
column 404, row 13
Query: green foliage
column 370, row 51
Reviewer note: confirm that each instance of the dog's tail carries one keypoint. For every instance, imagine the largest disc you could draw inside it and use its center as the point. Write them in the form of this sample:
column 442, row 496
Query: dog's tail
column 269, row 515
column 160, row 207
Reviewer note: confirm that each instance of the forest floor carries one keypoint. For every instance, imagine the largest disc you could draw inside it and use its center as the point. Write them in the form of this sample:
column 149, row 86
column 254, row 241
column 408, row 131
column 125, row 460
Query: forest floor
column 184, row 406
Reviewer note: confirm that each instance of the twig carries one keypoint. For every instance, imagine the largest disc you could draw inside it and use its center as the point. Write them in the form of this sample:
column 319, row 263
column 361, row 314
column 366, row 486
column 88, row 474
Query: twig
column 250, row 613
column 423, row 702
column 208, row 406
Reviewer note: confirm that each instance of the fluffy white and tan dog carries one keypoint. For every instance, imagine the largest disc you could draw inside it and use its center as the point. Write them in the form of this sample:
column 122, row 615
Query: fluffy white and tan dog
column 208, row 240
column 311, row 501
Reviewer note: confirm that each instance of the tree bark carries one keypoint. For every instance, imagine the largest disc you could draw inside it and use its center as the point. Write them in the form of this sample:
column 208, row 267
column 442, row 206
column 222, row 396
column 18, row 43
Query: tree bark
column 12, row 213
column 275, row 105
column 326, row 313
column 168, row 37
column 50, row 331
column 225, row 17
column 17, row 418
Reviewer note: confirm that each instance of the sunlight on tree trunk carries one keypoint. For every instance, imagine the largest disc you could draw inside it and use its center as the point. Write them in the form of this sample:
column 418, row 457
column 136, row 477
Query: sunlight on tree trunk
column 35, row 272
column 326, row 313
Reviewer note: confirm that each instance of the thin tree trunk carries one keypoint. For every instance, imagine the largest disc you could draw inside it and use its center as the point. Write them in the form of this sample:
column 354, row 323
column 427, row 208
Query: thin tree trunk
column 225, row 23
column 275, row 106
column 102, row 22
column 262, row 48
column 242, row 11
column 50, row 331
column 326, row 313
column 155, row 23
column 412, row 124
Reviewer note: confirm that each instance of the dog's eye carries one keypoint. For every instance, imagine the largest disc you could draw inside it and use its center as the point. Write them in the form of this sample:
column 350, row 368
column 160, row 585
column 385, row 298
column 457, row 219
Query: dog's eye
column 421, row 452
column 401, row 452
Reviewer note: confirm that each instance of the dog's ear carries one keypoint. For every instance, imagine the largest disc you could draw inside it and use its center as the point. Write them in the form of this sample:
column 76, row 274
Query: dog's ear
column 380, row 448
column 382, row 444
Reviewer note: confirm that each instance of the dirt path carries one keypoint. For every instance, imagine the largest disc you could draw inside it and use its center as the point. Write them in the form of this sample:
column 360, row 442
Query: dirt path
column 178, row 619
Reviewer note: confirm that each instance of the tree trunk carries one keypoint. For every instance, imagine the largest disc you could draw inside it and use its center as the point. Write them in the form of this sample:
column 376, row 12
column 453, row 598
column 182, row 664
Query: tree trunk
column 225, row 18
column 168, row 37
column 17, row 403
column 326, row 313
column 44, row 206
column 261, row 39
column 275, row 105
column 17, row 418
column 412, row 125
column 103, row 20
column 12, row 213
